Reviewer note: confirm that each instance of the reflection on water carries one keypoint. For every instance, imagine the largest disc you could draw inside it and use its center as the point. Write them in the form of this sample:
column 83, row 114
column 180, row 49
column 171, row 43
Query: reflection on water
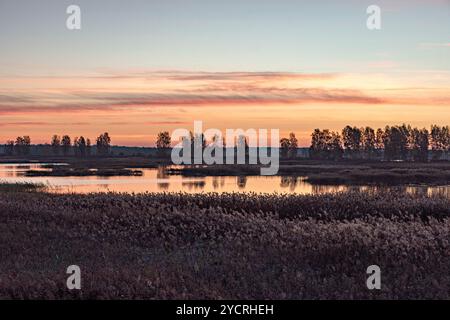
column 156, row 180
column 289, row 182
column 241, row 181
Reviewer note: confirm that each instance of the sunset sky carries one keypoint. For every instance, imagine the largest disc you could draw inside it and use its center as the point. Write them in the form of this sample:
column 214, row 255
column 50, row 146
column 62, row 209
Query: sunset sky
column 139, row 67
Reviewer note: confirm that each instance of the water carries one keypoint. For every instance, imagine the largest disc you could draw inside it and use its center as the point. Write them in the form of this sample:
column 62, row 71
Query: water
column 155, row 180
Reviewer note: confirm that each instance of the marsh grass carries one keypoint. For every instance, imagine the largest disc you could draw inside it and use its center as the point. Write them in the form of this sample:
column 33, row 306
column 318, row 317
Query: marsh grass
column 228, row 246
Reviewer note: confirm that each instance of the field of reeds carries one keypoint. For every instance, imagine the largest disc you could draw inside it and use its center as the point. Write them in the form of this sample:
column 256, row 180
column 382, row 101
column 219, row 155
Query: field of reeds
column 228, row 246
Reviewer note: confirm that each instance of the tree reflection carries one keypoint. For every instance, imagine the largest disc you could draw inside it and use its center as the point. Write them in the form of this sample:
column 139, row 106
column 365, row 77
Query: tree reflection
column 218, row 182
column 241, row 181
column 193, row 185
column 287, row 181
column 161, row 174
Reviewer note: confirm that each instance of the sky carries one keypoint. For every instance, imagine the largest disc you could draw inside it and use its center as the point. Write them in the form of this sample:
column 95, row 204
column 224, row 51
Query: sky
column 139, row 67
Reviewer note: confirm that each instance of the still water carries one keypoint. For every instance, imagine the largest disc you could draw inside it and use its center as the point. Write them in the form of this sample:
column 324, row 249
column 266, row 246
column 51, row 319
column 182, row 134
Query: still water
column 155, row 180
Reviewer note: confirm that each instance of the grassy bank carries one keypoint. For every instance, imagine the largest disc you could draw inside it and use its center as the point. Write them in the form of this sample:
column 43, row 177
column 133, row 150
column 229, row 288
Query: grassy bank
column 6, row 187
column 338, row 173
column 71, row 172
column 224, row 246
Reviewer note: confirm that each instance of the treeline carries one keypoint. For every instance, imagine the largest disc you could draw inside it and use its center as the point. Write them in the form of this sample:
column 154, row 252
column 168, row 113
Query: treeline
column 79, row 147
column 391, row 143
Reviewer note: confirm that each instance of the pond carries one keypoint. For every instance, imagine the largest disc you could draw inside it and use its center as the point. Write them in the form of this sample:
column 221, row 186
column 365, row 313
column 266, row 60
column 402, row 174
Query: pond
column 155, row 180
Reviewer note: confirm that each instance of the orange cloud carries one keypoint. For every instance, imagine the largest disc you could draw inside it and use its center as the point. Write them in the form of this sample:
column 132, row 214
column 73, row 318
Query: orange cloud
column 136, row 105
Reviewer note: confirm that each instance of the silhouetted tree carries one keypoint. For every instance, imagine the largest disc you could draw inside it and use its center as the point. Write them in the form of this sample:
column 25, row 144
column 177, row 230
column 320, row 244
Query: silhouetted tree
column 379, row 139
column 326, row 145
column 369, row 141
column 335, row 146
column 56, row 144
column 66, row 144
column 284, row 147
column 9, row 148
column 352, row 139
column 80, row 146
column 75, row 146
column 420, row 144
column 103, row 144
column 293, row 145
column 440, row 140
column 288, row 146
column 395, row 141
column 22, row 145
column 406, row 131
column 88, row 147
column 163, row 140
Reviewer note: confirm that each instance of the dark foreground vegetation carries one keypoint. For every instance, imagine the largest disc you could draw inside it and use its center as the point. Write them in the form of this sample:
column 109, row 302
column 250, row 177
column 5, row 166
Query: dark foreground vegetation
column 21, row 187
column 169, row 246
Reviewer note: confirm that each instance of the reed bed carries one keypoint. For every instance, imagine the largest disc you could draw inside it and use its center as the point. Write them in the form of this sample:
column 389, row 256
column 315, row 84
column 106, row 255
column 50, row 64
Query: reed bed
column 228, row 246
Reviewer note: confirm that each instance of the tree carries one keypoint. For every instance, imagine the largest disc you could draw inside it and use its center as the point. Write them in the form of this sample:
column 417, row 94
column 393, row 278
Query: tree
column 396, row 141
column 440, row 140
column 22, row 145
column 420, row 144
column 9, row 149
column 284, row 147
column 88, row 147
column 379, row 139
column 163, row 140
column 80, row 146
column 406, row 131
column 56, row 144
column 18, row 146
column 352, row 139
column 335, row 146
column 326, row 145
column 66, row 144
column 293, row 145
column 369, row 141
column 103, row 144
